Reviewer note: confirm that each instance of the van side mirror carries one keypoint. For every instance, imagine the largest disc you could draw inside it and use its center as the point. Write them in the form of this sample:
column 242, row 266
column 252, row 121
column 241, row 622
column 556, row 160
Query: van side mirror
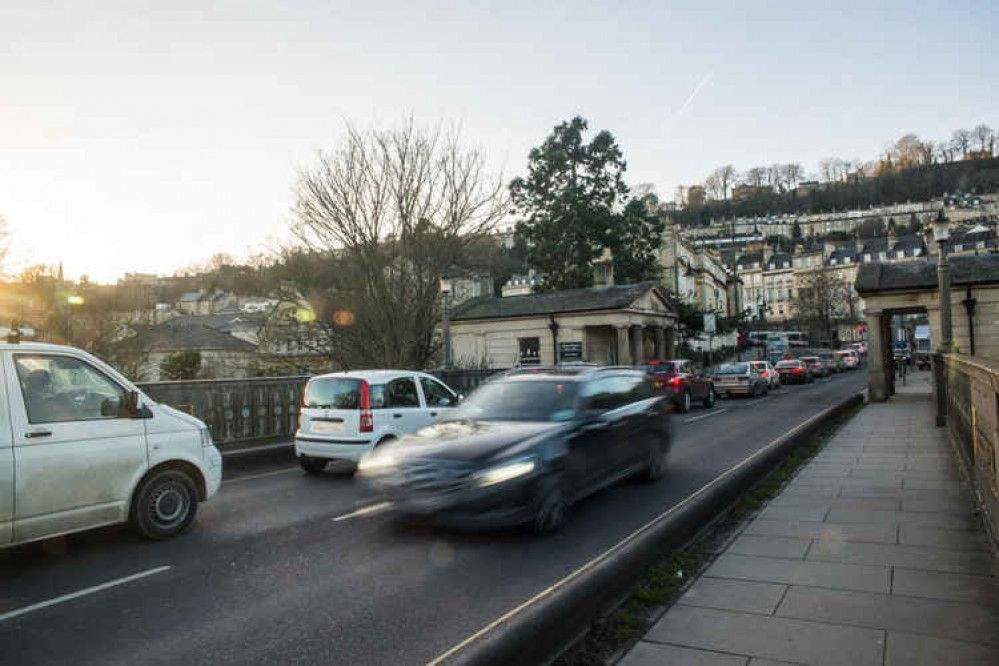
column 131, row 403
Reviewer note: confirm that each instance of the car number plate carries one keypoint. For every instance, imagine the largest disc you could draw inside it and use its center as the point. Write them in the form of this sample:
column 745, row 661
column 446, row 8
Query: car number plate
column 327, row 426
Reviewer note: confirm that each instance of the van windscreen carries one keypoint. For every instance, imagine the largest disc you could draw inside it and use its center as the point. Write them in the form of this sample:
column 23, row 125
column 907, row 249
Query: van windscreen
column 333, row 393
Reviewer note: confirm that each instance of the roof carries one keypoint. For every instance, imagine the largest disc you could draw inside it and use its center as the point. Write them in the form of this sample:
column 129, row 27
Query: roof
column 922, row 275
column 223, row 321
column 617, row 297
column 194, row 336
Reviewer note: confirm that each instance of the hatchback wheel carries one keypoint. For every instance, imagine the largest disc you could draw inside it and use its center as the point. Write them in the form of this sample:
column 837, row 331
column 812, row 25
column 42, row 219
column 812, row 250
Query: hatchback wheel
column 709, row 401
column 312, row 465
column 553, row 506
column 655, row 467
column 685, row 402
column 165, row 505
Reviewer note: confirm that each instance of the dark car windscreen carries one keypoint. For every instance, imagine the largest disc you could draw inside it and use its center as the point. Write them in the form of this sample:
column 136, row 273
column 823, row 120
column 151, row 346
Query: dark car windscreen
column 333, row 393
column 520, row 401
column 733, row 369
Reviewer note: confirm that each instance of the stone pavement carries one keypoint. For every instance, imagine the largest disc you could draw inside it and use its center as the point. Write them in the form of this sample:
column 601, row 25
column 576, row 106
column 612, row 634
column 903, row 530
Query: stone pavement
column 872, row 555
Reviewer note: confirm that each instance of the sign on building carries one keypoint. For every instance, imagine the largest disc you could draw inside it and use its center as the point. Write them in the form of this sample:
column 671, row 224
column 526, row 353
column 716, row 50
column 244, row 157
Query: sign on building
column 570, row 351
column 709, row 323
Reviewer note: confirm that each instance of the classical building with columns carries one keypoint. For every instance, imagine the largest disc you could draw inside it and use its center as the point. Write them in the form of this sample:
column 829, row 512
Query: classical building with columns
column 618, row 325
column 911, row 287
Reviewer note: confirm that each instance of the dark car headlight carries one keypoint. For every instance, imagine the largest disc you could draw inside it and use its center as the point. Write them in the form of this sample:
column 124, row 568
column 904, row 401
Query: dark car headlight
column 505, row 471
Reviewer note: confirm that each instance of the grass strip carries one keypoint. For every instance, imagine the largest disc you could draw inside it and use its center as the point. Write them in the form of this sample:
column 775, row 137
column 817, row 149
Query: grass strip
column 665, row 581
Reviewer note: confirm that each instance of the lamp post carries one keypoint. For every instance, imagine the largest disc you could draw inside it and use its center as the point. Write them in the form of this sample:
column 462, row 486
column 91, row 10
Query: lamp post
column 71, row 302
column 446, row 288
column 941, row 231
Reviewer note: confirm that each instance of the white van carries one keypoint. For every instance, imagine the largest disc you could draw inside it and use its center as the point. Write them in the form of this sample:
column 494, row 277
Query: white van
column 346, row 414
column 81, row 447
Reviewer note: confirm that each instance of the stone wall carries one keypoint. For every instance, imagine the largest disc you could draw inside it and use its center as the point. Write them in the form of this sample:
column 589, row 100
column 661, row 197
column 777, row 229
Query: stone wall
column 971, row 389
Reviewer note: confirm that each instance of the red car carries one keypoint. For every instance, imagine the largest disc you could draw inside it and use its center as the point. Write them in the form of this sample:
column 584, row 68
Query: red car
column 683, row 382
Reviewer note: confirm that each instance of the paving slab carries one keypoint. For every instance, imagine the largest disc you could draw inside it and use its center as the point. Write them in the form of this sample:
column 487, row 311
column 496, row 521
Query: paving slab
column 784, row 639
column 770, row 546
column 937, row 505
column 816, row 514
column 911, row 557
column 836, row 575
column 944, row 619
column 881, row 504
column 913, row 535
column 734, row 595
column 812, row 530
column 913, row 650
column 981, row 590
column 938, row 520
column 657, row 654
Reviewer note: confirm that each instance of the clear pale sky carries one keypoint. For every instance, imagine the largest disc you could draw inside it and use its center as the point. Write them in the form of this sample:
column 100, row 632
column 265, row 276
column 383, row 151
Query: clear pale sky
column 145, row 136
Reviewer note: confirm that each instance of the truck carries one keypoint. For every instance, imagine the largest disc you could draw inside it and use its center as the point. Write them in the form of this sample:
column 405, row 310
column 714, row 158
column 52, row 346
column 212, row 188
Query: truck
column 922, row 339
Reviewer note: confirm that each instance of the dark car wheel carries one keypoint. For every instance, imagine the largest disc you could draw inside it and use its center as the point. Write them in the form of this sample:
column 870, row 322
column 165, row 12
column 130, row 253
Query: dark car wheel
column 552, row 506
column 165, row 505
column 684, row 402
column 655, row 467
column 709, row 400
column 312, row 465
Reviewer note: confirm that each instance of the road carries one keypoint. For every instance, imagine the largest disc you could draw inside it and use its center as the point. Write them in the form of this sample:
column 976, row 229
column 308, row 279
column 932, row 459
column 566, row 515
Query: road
column 279, row 568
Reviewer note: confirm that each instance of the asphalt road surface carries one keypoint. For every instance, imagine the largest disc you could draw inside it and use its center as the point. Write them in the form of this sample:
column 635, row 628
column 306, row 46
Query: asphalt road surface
column 280, row 567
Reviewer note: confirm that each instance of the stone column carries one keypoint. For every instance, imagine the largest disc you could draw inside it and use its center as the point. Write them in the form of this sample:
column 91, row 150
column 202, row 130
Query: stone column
column 623, row 346
column 661, row 353
column 670, row 343
column 637, row 344
column 877, row 378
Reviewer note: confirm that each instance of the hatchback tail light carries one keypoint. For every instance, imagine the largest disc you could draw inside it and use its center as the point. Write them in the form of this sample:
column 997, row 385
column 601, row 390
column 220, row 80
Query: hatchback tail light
column 301, row 408
column 675, row 381
column 367, row 418
column 797, row 371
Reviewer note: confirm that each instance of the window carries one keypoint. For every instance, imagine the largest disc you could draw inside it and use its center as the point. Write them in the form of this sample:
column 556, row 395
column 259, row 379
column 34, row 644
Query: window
column 901, row 254
column 401, row 392
column 608, row 393
column 435, row 394
column 62, row 388
column 530, row 351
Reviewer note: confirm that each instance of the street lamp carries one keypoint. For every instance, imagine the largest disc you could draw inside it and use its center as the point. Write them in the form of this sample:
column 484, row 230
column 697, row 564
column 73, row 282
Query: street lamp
column 71, row 301
column 446, row 291
column 941, row 232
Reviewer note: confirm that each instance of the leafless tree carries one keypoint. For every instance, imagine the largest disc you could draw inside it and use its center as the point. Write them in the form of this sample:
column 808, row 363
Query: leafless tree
column 756, row 177
column 985, row 136
column 960, row 142
column 793, row 173
column 821, row 300
column 833, row 169
column 720, row 181
column 389, row 211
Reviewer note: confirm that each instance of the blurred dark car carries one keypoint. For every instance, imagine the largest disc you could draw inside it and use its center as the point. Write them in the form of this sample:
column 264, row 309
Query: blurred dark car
column 682, row 381
column 523, row 448
column 817, row 367
column 794, row 372
column 739, row 379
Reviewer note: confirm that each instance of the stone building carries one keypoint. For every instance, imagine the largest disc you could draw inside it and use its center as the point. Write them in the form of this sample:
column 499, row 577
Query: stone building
column 620, row 324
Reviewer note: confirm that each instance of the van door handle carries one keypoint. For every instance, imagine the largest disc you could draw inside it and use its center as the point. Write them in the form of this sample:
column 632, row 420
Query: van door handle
column 38, row 433
column 397, row 416
column 433, row 413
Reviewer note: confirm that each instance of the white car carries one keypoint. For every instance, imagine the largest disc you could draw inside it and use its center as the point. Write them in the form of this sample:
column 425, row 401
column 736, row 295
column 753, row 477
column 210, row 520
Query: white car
column 346, row 414
column 82, row 447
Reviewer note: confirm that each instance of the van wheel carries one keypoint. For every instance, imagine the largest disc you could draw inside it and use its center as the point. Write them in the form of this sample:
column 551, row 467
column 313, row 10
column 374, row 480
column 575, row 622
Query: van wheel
column 312, row 465
column 165, row 505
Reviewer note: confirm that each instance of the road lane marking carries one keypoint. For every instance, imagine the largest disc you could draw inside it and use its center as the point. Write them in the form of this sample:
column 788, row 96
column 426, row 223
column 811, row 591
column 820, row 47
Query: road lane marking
column 365, row 511
column 81, row 593
column 706, row 416
column 755, row 402
column 548, row 591
column 260, row 476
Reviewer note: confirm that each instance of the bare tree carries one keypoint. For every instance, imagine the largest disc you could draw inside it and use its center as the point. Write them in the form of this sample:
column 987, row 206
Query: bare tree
column 720, row 181
column 756, row 177
column 389, row 211
column 821, row 300
column 833, row 169
column 793, row 173
column 985, row 137
column 960, row 142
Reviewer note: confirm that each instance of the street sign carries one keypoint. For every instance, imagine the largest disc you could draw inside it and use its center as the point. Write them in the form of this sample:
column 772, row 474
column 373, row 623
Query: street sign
column 570, row 351
column 709, row 323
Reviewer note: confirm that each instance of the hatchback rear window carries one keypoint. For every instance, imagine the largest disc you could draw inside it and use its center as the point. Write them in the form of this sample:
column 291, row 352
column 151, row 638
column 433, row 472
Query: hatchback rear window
column 788, row 364
column 333, row 393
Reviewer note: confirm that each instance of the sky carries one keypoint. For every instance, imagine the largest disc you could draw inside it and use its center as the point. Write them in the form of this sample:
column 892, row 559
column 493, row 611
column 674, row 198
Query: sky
column 147, row 136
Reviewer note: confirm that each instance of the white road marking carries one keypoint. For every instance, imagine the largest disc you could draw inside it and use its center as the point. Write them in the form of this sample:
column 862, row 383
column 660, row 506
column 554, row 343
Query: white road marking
column 76, row 595
column 365, row 511
column 706, row 416
column 755, row 402
column 261, row 476
column 613, row 549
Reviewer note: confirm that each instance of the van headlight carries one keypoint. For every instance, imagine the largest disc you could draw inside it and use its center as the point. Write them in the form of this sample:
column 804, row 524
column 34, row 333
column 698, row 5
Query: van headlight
column 206, row 437
column 376, row 463
column 504, row 472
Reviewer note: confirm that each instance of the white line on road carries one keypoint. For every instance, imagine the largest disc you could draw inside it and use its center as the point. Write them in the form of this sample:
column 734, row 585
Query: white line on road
column 706, row 416
column 365, row 511
column 755, row 402
column 261, row 476
column 76, row 595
